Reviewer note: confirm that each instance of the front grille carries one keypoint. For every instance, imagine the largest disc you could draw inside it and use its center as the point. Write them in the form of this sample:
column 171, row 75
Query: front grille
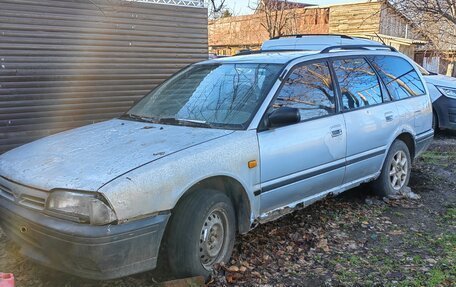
column 6, row 193
column 22, row 194
column 32, row 201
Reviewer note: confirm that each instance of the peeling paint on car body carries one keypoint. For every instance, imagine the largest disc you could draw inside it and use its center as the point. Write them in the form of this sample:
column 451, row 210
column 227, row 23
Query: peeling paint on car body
column 89, row 157
column 159, row 185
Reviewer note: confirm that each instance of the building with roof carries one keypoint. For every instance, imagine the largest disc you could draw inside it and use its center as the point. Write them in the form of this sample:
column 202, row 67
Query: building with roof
column 279, row 5
column 376, row 20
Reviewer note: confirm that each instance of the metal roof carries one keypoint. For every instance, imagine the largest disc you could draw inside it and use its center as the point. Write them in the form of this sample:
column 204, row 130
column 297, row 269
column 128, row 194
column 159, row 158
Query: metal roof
column 188, row 3
column 64, row 64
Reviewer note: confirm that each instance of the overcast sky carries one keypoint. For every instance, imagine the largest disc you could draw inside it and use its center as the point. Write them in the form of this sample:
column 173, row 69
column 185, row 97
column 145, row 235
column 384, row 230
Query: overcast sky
column 241, row 7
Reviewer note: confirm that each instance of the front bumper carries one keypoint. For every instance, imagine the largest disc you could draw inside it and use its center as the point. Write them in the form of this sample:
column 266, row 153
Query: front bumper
column 446, row 112
column 94, row 252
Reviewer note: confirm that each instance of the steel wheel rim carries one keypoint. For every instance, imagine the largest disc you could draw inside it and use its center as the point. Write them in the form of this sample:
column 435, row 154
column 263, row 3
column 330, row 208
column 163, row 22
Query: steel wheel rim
column 212, row 238
column 398, row 170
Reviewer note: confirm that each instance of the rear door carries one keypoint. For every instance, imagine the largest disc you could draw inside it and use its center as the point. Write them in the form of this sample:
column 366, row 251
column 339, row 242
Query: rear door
column 370, row 117
column 301, row 160
column 406, row 88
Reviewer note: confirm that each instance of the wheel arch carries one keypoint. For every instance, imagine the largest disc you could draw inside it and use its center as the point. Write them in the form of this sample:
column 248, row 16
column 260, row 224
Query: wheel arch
column 409, row 140
column 235, row 191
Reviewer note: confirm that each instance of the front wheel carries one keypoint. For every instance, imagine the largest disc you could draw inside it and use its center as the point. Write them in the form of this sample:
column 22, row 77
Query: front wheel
column 201, row 234
column 396, row 170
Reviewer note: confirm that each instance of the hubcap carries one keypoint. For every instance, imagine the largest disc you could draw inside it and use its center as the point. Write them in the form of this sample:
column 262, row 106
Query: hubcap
column 398, row 170
column 212, row 238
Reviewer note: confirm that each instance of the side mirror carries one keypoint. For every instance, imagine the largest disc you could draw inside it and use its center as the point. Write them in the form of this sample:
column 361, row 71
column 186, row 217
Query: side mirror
column 283, row 117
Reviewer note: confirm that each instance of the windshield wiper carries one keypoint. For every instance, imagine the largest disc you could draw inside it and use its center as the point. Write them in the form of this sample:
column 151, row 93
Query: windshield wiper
column 185, row 122
column 138, row 118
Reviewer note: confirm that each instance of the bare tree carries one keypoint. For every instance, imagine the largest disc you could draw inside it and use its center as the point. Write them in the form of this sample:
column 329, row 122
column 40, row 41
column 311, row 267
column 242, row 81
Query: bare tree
column 434, row 19
column 217, row 8
column 436, row 9
column 278, row 15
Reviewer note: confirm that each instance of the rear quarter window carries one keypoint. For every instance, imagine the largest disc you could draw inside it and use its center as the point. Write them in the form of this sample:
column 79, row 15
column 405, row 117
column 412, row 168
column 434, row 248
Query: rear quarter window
column 400, row 77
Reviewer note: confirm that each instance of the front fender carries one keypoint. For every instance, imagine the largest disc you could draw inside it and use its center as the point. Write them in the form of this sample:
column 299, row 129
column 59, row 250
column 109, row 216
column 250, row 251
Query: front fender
column 159, row 185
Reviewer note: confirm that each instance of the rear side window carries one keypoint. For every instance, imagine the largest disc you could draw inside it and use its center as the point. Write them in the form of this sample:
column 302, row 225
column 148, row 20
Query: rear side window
column 399, row 76
column 309, row 88
column 358, row 83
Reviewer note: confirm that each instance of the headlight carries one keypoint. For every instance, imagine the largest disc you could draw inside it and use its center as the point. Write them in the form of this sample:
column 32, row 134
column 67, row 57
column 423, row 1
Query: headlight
column 89, row 208
column 449, row 92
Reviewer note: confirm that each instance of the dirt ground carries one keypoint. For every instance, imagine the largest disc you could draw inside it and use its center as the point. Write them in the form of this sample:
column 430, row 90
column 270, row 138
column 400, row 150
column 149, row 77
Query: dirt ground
column 356, row 239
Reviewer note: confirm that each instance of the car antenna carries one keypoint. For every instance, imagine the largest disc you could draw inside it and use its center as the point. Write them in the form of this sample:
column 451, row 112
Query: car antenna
column 380, row 38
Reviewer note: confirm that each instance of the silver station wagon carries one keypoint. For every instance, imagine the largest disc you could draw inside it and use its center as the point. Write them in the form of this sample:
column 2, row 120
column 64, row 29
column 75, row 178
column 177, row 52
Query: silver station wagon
column 220, row 147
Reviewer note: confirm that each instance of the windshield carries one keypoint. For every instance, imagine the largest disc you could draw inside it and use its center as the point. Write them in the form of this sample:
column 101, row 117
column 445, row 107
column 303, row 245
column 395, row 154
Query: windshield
column 209, row 95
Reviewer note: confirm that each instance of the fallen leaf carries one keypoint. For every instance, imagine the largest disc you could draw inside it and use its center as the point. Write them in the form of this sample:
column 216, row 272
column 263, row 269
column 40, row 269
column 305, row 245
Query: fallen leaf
column 233, row 268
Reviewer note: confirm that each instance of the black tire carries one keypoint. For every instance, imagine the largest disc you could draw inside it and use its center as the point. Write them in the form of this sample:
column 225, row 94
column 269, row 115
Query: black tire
column 435, row 122
column 184, row 237
column 383, row 185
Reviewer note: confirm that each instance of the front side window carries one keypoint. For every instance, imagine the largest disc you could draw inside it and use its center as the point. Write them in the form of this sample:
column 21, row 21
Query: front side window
column 210, row 95
column 399, row 76
column 358, row 83
column 309, row 88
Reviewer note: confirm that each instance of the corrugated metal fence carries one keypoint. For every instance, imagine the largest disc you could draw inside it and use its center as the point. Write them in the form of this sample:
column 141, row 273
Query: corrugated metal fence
column 64, row 64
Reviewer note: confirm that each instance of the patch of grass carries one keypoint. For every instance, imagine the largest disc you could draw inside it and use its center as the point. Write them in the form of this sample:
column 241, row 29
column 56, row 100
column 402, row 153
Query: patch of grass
column 417, row 259
column 354, row 260
column 437, row 277
column 346, row 276
column 384, row 240
column 420, row 249
column 450, row 215
column 448, row 243
column 439, row 158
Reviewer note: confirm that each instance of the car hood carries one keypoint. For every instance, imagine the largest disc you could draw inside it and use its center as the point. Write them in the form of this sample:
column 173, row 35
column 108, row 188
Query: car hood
column 441, row 80
column 89, row 157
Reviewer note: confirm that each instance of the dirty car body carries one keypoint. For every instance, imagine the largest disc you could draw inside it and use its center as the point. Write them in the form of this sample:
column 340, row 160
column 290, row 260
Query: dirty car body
column 96, row 201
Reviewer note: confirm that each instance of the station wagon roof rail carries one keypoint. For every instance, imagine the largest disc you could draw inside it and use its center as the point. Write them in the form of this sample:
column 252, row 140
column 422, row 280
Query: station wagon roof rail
column 325, row 50
column 357, row 47
column 311, row 35
column 253, row 52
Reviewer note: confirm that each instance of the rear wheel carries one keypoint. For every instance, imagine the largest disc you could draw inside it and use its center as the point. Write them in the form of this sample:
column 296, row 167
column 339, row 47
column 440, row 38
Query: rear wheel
column 201, row 233
column 396, row 170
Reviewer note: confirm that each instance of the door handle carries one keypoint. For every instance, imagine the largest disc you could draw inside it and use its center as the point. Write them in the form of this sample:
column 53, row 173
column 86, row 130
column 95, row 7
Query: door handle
column 389, row 117
column 336, row 132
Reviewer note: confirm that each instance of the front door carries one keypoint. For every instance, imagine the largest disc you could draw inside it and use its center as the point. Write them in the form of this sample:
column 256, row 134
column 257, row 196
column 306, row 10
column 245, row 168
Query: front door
column 304, row 159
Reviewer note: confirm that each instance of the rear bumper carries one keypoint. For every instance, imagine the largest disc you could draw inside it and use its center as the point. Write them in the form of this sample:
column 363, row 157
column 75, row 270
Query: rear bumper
column 94, row 252
column 446, row 112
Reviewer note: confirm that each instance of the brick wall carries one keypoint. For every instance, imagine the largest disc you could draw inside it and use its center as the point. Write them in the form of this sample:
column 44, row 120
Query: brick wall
column 229, row 35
